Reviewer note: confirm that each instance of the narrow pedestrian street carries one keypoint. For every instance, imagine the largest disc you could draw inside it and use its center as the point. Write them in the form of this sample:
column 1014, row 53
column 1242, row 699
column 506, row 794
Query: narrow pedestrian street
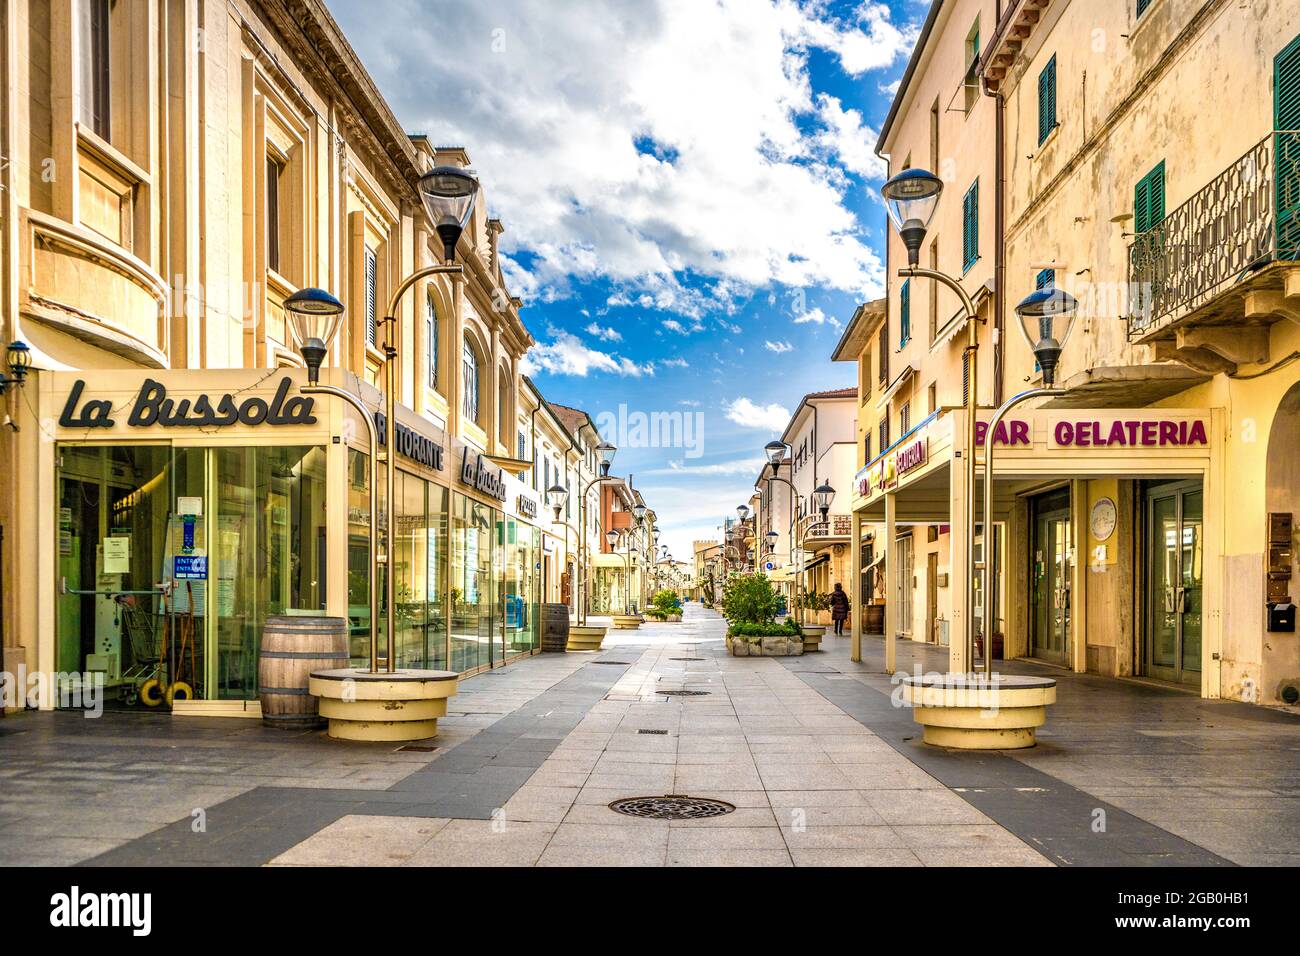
column 820, row 767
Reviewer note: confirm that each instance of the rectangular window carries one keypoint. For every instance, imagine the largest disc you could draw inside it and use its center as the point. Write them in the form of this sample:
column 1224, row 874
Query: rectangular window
column 273, row 172
column 933, row 397
column 1286, row 116
column 905, row 314
column 931, row 293
column 431, row 344
column 1142, row 6
column 882, row 346
column 970, row 226
column 1149, row 200
column 965, row 378
column 970, row 83
column 884, row 434
column 905, row 419
column 372, row 280
column 1045, row 279
column 1047, row 100
column 93, row 34
column 866, row 447
column 469, row 406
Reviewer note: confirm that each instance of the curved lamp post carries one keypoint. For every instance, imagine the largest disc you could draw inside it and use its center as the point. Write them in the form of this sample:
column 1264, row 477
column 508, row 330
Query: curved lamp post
column 1046, row 321
column 605, row 452
column 448, row 195
column 911, row 198
column 557, row 496
column 776, row 452
column 315, row 316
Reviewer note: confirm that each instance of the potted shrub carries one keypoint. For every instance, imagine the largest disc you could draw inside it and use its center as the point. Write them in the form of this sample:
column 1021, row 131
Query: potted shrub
column 665, row 606
column 750, row 604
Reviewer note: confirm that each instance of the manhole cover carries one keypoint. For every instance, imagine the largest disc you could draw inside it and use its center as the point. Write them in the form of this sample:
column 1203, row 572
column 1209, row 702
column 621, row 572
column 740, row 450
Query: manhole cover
column 686, row 658
column 652, row 731
column 671, row 807
column 622, row 663
column 415, row 749
column 684, row 693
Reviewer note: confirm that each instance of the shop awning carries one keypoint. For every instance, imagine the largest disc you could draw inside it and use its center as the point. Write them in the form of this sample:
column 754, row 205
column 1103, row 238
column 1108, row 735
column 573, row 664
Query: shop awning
column 816, row 561
column 958, row 321
column 899, row 381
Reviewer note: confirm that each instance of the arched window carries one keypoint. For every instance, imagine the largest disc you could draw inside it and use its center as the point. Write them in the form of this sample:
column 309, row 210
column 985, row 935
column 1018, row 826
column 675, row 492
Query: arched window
column 431, row 343
column 470, row 362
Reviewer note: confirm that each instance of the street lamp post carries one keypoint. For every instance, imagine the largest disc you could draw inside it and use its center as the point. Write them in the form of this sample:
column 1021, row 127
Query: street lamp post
column 911, row 197
column 776, row 452
column 1050, row 311
column 605, row 452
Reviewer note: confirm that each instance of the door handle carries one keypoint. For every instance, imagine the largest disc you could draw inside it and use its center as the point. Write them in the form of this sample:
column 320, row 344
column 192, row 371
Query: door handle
column 1171, row 604
column 1182, row 598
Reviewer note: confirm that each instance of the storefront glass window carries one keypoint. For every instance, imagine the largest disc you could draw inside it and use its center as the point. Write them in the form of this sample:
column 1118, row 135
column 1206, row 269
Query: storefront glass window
column 522, row 550
column 270, row 552
column 359, row 556
column 473, row 583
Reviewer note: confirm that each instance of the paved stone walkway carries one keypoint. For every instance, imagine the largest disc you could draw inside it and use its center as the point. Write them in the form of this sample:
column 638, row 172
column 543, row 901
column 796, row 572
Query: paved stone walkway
column 822, row 769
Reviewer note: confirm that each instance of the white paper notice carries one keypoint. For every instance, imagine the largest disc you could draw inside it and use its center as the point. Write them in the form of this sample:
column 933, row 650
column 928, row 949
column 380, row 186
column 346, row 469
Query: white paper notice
column 189, row 505
column 117, row 555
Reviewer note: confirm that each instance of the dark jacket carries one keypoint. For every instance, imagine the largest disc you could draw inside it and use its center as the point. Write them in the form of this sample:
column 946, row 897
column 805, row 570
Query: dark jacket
column 839, row 606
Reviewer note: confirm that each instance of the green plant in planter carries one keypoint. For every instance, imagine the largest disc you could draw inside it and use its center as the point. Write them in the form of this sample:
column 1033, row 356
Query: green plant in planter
column 749, row 599
column 665, row 602
column 815, row 601
column 753, row 633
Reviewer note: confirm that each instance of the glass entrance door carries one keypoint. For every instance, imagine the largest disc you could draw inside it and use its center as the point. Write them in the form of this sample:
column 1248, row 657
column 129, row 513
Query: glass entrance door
column 1052, row 563
column 903, row 548
column 1173, row 632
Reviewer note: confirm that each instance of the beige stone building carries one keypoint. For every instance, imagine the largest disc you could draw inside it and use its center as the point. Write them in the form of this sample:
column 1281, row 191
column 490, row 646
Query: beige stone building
column 1143, row 521
column 171, row 173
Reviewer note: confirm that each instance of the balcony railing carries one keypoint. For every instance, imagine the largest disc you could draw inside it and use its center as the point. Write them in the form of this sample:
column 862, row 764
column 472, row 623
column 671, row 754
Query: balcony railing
column 1244, row 219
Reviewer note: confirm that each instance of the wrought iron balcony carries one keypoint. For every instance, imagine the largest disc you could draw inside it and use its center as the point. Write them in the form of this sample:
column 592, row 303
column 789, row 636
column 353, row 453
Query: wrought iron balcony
column 1235, row 228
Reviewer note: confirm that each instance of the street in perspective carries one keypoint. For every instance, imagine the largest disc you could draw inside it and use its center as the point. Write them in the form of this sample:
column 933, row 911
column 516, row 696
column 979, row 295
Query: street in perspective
column 689, row 434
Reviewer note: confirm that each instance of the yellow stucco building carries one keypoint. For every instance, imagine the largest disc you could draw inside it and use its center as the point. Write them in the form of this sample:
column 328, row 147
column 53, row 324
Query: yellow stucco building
column 1143, row 521
column 172, row 173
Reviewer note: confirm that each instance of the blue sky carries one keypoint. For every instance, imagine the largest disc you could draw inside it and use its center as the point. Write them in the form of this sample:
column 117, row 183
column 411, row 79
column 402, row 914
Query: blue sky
column 688, row 191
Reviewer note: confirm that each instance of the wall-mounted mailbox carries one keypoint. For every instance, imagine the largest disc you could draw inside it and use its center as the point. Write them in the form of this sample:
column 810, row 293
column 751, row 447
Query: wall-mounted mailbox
column 1281, row 618
column 1279, row 558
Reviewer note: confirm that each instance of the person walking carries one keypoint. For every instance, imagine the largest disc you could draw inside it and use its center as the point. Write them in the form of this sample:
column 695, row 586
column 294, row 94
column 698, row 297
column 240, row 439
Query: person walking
column 839, row 609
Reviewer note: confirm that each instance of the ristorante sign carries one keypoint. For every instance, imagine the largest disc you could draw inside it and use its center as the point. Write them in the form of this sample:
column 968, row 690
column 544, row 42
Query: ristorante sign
column 409, row 442
column 475, row 473
column 152, row 407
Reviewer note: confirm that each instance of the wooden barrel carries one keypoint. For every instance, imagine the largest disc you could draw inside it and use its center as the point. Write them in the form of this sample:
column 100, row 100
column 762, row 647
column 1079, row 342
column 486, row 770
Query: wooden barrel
column 555, row 627
column 293, row 647
column 874, row 620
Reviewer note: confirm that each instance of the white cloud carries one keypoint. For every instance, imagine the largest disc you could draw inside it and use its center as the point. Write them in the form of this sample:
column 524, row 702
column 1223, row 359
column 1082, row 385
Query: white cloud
column 731, row 327
column 744, row 466
column 606, row 159
column 780, row 348
column 672, row 325
column 565, row 354
column 675, row 363
column 847, row 138
column 605, row 334
column 748, row 414
column 816, row 317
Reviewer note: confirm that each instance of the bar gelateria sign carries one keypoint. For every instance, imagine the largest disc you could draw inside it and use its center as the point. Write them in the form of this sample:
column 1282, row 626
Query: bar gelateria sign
column 1075, row 432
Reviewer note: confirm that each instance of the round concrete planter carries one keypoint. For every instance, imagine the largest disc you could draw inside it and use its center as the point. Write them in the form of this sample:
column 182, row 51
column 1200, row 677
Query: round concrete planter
column 627, row 621
column 674, row 619
column 968, row 712
column 403, row 705
column 585, row 637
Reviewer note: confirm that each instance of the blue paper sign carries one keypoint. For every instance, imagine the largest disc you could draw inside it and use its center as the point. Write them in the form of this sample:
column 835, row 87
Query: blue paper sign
column 187, row 543
column 188, row 567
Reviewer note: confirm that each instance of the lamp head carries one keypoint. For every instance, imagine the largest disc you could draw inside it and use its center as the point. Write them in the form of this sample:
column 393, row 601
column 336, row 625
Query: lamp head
column 822, row 499
column 448, row 193
column 775, row 452
column 605, row 452
column 1047, row 317
column 556, row 497
column 910, row 198
column 742, row 512
column 315, row 316
column 611, row 537
column 20, row 360
column 638, row 511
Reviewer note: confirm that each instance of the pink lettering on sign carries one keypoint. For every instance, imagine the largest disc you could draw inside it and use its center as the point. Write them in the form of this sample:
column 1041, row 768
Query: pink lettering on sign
column 1014, row 432
column 1149, row 434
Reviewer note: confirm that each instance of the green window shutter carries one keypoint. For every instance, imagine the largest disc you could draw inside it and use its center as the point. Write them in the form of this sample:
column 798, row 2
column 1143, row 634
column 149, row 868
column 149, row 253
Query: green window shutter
column 1047, row 100
column 1286, row 120
column 1149, row 200
column 1142, row 6
column 1045, row 278
column 965, row 378
column 970, row 226
column 905, row 314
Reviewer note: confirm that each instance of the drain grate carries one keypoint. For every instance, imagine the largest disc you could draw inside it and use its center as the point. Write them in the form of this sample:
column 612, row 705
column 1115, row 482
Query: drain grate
column 686, row 658
column 415, row 749
column 652, row 732
column 621, row 663
column 671, row 806
column 684, row 693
